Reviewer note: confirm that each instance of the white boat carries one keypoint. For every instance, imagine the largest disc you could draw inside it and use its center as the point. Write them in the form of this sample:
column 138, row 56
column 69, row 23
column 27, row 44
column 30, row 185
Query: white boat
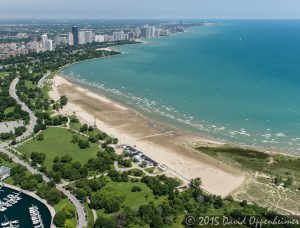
column 6, row 222
column 3, row 208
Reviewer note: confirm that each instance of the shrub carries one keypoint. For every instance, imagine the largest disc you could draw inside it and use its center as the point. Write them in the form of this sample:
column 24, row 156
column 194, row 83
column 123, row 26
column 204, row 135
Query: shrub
column 136, row 189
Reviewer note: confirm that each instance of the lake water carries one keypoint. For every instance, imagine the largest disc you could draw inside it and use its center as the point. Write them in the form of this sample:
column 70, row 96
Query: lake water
column 237, row 81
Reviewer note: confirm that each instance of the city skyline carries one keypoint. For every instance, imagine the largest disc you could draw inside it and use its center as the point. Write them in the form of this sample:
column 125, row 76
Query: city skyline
column 34, row 9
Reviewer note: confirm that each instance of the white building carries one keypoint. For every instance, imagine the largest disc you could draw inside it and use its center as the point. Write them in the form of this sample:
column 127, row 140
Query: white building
column 71, row 39
column 44, row 37
column 89, row 37
column 49, row 45
column 4, row 172
column 118, row 36
column 81, row 37
column 99, row 38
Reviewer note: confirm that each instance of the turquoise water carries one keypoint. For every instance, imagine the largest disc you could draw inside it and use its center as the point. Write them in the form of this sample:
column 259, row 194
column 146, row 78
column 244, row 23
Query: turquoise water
column 20, row 211
column 237, row 81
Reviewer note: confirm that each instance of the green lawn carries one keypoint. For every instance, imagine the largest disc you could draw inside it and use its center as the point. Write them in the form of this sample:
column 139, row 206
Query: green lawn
column 133, row 199
column 57, row 142
column 3, row 74
column 45, row 91
column 29, row 84
column 9, row 110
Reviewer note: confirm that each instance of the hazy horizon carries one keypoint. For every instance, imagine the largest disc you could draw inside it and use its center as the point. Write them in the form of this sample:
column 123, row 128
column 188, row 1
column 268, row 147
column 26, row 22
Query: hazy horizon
column 155, row 9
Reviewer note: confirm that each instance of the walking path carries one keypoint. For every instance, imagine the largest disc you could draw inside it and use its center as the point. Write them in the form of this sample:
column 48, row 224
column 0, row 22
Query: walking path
column 33, row 119
column 42, row 80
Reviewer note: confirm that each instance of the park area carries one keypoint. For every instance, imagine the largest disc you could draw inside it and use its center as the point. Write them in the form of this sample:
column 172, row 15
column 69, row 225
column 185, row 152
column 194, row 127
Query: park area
column 58, row 142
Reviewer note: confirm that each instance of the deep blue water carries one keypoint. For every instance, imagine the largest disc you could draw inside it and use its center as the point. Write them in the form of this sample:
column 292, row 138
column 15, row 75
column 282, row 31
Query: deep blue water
column 237, row 81
column 20, row 211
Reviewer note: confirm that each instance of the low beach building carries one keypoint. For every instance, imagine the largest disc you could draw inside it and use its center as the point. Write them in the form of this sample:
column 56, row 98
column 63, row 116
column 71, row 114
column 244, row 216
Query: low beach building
column 4, row 172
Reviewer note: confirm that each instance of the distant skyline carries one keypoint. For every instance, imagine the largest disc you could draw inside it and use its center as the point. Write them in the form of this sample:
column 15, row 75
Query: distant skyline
column 156, row 9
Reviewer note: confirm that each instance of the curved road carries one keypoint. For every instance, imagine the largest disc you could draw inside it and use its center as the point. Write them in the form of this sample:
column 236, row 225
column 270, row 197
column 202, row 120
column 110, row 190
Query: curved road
column 33, row 119
column 82, row 221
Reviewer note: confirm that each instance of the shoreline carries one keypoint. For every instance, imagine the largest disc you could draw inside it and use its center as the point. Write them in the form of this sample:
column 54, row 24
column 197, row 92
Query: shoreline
column 166, row 145
column 33, row 195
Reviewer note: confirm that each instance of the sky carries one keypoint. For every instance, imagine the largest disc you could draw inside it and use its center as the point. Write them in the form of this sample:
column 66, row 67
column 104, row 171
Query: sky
column 156, row 9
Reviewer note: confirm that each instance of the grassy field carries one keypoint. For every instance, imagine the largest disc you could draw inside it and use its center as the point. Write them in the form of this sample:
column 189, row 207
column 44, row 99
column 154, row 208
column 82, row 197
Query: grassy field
column 57, row 142
column 29, row 84
column 9, row 110
column 134, row 199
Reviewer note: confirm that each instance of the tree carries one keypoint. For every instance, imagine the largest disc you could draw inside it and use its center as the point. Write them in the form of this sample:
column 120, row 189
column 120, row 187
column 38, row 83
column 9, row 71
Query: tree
column 136, row 189
column 59, row 219
column 69, row 211
column 146, row 212
column 124, row 176
column 195, row 183
column 75, row 139
column 40, row 137
column 93, row 139
column 66, row 158
column 63, row 100
column 54, row 196
column 103, row 222
column 108, row 199
column 68, row 224
column 84, row 128
column 38, row 157
column 83, row 144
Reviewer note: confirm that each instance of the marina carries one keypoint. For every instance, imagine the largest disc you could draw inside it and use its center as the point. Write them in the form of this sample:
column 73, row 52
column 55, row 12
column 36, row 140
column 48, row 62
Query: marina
column 18, row 209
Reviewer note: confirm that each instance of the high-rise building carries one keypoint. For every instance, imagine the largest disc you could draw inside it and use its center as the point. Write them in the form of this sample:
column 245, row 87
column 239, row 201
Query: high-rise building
column 48, row 45
column 99, row 38
column 44, row 37
column 130, row 35
column 81, row 37
column 89, row 37
column 146, row 31
column 75, row 35
column 71, row 39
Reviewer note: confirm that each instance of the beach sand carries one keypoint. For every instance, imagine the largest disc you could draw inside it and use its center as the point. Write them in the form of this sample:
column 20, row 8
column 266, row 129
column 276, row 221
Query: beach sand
column 162, row 143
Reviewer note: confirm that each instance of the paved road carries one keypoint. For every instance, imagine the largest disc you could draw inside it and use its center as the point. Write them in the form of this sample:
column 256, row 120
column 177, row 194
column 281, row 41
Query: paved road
column 33, row 119
column 42, row 80
column 82, row 221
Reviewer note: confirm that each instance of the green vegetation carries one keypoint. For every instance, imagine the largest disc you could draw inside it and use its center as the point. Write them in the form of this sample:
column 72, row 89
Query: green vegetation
column 275, row 178
column 256, row 161
column 89, row 214
column 57, row 142
column 133, row 199
column 68, row 209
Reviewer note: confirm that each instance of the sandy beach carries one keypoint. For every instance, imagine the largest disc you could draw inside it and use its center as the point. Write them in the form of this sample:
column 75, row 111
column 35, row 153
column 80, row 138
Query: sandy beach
column 164, row 144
